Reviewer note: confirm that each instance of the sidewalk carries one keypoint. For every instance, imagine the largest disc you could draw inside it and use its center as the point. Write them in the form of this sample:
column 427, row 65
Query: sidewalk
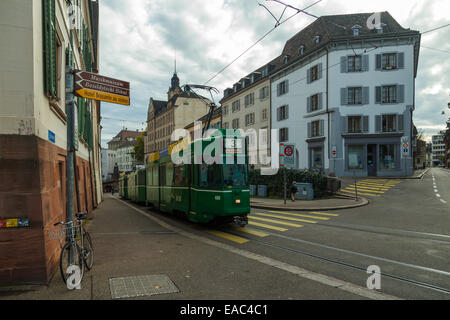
column 335, row 203
column 129, row 243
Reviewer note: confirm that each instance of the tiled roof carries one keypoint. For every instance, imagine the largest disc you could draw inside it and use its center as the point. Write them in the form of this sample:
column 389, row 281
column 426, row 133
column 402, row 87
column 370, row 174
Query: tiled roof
column 160, row 106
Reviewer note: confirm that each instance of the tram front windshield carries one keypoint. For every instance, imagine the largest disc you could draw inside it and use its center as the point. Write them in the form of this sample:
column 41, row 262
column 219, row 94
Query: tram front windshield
column 228, row 175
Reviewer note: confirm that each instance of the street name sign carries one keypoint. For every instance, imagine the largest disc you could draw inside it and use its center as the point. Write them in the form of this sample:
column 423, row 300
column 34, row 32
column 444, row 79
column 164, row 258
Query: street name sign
column 96, row 87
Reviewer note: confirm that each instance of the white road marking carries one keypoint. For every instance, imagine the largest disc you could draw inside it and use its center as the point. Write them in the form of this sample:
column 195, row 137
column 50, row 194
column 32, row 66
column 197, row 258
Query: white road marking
column 443, row 201
column 438, row 195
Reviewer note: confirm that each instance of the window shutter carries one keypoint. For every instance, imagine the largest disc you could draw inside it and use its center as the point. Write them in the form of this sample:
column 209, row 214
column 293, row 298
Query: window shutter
column 308, row 76
column 320, row 98
column 287, row 86
column 344, row 96
column 279, row 114
column 287, row 134
column 321, row 128
column 365, row 124
column 344, row 123
column 309, row 130
column 378, row 62
column 308, row 104
column 383, row 61
column 320, row 71
column 49, row 48
column 400, row 94
column 278, row 89
column 287, row 112
column 401, row 60
column 400, row 125
column 344, row 65
column 365, row 62
column 378, row 95
column 365, row 97
column 377, row 123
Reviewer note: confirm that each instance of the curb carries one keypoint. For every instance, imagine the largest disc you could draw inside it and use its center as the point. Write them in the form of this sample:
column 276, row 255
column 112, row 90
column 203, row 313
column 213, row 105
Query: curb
column 365, row 202
column 419, row 177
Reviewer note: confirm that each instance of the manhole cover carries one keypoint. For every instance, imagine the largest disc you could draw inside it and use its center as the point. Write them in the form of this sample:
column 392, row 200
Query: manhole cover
column 140, row 286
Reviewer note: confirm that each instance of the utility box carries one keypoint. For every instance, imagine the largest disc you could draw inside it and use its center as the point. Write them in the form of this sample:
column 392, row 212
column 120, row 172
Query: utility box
column 252, row 190
column 305, row 191
column 262, row 191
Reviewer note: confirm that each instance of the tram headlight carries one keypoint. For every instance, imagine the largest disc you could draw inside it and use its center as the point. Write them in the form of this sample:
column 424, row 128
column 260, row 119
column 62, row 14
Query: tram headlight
column 238, row 201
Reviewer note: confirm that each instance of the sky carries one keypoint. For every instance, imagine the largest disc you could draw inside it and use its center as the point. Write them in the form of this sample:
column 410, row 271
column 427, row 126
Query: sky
column 140, row 39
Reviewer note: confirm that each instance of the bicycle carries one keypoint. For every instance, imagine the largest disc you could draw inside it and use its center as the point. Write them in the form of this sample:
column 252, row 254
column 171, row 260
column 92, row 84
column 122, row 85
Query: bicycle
column 83, row 256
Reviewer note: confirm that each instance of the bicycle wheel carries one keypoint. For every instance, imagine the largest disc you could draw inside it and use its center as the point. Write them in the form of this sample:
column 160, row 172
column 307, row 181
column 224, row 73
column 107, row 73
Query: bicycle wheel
column 88, row 251
column 64, row 261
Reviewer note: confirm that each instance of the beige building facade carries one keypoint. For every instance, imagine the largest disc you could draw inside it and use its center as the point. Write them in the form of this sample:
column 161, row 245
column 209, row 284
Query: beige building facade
column 246, row 106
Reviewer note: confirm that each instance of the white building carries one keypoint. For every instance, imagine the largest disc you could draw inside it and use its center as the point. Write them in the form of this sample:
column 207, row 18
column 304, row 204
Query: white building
column 108, row 163
column 342, row 88
column 124, row 158
column 438, row 148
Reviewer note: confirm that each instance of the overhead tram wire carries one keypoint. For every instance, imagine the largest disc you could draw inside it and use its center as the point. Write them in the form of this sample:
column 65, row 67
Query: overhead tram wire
column 260, row 39
column 444, row 26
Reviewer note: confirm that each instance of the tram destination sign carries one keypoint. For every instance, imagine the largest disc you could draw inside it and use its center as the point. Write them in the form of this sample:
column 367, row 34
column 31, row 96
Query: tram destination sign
column 96, row 87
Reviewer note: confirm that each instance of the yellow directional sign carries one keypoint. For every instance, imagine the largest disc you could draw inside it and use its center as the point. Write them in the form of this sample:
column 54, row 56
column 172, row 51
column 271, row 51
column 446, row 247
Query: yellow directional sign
column 103, row 96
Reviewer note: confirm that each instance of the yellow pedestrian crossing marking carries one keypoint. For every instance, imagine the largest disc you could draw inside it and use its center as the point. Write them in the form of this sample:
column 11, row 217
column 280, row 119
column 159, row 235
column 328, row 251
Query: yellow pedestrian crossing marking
column 277, row 222
column 363, row 190
column 250, row 231
column 284, row 218
column 267, row 226
column 373, row 185
column 326, row 214
column 369, row 186
column 300, row 215
column 227, row 236
column 361, row 193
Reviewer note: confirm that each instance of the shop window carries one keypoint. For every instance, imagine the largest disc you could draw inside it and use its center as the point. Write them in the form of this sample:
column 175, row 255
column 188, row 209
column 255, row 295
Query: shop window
column 317, row 158
column 355, row 157
column 387, row 156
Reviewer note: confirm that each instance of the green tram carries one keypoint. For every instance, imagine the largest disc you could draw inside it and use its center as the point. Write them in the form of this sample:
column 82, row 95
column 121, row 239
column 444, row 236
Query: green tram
column 123, row 186
column 137, row 186
column 202, row 192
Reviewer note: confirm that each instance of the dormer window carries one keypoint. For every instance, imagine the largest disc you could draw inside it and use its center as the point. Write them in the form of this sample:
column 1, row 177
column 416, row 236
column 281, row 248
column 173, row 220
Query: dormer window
column 317, row 40
column 380, row 29
column 285, row 59
column 265, row 71
column 356, row 30
column 301, row 50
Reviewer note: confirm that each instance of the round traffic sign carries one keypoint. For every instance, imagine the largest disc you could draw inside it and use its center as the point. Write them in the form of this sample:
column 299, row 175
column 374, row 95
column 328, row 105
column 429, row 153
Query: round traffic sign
column 289, row 151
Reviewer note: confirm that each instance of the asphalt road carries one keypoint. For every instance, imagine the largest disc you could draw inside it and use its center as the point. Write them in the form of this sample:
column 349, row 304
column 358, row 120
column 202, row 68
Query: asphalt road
column 404, row 231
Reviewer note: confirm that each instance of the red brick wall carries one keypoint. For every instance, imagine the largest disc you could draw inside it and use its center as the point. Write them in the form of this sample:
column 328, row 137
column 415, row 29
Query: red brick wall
column 33, row 185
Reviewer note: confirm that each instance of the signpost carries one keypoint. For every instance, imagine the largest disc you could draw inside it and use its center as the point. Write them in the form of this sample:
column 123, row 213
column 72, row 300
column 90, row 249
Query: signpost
column 96, row 87
column 287, row 160
column 405, row 146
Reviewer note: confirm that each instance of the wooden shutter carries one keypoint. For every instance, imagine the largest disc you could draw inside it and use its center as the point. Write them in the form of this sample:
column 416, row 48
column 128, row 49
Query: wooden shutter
column 378, row 95
column 49, row 48
column 308, row 104
column 321, row 128
column 308, row 76
column 365, row 95
column 286, row 86
column 344, row 125
column 309, row 130
column 320, row 101
column 400, row 94
column 400, row 60
column 400, row 124
column 279, row 114
column 320, row 71
column 377, row 123
column 365, row 62
column 365, row 124
column 344, row 96
column 344, row 65
column 278, row 89
column 378, row 62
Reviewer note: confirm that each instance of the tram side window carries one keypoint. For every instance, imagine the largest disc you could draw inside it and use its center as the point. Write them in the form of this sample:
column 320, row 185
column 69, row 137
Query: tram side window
column 210, row 175
column 162, row 175
column 179, row 176
column 169, row 175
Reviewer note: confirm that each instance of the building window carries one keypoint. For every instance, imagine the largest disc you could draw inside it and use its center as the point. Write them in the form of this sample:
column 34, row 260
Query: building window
column 226, row 125
column 235, row 123
column 354, row 63
column 354, row 124
column 315, row 129
column 389, row 61
column 283, row 113
column 283, row 87
column 301, row 50
column 264, row 93
column 314, row 73
column 264, row 115
column 265, row 71
column 355, row 95
column 317, row 40
column 317, row 158
column 389, row 123
column 249, row 99
column 387, row 156
column 315, row 102
column 249, row 119
column 236, row 106
column 286, row 59
column 355, row 157
column 389, row 94
column 284, row 134
column 225, row 110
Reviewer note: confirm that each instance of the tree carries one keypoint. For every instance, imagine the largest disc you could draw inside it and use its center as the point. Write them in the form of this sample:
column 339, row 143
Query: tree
column 138, row 153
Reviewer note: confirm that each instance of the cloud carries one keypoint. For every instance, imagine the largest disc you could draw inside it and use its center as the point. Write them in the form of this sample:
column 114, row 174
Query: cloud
column 139, row 40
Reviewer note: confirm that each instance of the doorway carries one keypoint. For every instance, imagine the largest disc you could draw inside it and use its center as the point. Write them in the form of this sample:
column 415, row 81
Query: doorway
column 372, row 160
